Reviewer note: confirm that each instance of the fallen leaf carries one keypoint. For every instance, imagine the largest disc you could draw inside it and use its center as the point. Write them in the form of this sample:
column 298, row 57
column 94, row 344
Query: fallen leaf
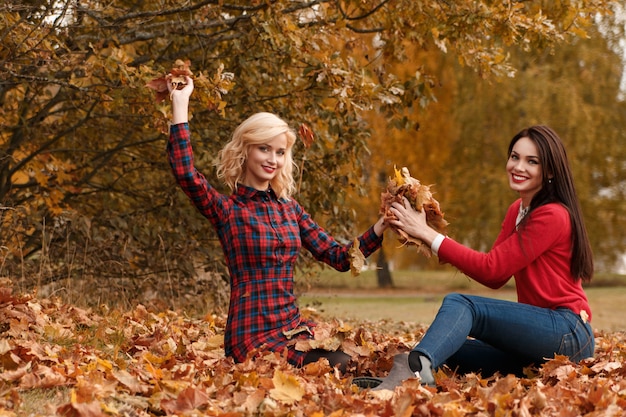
column 286, row 389
column 189, row 399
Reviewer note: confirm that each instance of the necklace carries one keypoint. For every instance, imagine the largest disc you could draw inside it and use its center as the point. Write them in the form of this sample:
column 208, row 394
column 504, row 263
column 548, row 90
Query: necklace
column 523, row 211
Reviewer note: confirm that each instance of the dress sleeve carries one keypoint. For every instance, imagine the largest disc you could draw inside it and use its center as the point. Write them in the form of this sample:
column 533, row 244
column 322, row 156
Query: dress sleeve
column 180, row 154
column 325, row 248
column 547, row 225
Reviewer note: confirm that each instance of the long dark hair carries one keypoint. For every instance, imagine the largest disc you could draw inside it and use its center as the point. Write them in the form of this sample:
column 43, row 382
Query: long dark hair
column 558, row 186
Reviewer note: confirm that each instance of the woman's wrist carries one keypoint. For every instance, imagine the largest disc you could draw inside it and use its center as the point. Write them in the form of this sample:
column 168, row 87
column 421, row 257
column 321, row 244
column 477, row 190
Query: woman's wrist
column 436, row 243
column 179, row 115
column 379, row 227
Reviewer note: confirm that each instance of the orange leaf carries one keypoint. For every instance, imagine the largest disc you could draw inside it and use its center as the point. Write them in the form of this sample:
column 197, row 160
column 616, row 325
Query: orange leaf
column 306, row 134
column 189, row 399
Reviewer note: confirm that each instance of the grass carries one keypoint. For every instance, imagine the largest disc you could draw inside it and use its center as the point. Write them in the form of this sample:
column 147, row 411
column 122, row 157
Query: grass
column 40, row 401
column 416, row 296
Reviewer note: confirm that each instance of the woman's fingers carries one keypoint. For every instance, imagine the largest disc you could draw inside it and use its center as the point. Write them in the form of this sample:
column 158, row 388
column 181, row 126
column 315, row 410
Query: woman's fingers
column 187, row 89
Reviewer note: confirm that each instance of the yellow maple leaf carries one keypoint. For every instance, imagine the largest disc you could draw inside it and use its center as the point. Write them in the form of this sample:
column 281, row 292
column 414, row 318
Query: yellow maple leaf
column 287, row 388
column 399, row 179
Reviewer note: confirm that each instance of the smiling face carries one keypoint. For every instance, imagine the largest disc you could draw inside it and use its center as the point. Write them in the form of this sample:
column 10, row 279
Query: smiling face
column 264, row 161
column 525, row 170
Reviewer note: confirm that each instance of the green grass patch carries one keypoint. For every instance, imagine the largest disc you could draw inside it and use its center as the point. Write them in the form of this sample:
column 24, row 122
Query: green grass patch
column 416, row 296
column 418, row 280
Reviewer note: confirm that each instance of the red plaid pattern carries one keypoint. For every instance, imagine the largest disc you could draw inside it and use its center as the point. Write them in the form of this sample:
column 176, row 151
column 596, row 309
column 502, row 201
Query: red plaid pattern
column 261, row 236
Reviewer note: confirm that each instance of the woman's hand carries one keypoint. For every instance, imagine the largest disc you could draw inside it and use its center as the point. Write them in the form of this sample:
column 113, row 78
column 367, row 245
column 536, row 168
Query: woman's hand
column 412, row 222
column 180, row 101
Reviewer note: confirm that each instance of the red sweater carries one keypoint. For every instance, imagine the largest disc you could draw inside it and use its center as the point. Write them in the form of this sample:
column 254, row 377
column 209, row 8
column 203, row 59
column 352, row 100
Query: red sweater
column 538, row 256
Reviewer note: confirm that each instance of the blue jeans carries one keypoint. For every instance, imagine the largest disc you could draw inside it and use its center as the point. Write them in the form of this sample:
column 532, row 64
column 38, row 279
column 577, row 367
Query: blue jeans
column 505, row 336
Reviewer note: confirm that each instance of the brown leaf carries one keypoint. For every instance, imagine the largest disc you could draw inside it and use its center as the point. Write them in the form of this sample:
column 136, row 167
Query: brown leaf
column 42, row 377
column 357, row 260
column 93, row 409
column 130, row 381
column 189, row 399
column 253, row 401
column 176, row 76
column 306, row 134
column 79, row 408
column 159, row 85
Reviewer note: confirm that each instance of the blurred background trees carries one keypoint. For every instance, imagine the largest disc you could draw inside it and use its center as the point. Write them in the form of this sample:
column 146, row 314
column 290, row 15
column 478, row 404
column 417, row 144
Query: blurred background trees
column 86, row 196
column 460, row 145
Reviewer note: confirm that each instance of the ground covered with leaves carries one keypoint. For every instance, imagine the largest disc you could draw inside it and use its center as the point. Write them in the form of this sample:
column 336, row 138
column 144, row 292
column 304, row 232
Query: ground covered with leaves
column 58, row 359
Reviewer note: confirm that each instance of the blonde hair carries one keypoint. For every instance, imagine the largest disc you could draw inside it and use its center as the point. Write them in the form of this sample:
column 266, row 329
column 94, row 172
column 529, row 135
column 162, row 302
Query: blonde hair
column 257, row 129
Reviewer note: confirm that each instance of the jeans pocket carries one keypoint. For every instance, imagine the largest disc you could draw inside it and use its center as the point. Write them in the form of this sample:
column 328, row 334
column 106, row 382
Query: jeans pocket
column 567, row 345
column 578, row 344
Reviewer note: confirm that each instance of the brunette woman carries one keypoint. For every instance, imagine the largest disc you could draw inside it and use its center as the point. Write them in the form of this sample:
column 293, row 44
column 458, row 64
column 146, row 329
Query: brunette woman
column 543, row 245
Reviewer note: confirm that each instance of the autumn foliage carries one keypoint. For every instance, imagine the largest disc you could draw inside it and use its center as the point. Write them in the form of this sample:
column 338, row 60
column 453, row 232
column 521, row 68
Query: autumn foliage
column 85, row 190
column 402, row 186
column 177, row 76
column 146, row 363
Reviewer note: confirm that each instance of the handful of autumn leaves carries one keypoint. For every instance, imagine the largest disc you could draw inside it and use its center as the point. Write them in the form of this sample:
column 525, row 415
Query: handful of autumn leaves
column 176, row 77
column 420, row 197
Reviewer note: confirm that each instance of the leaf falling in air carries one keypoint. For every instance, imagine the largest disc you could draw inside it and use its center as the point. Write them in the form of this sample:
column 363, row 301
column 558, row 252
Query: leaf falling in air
column 357, row 260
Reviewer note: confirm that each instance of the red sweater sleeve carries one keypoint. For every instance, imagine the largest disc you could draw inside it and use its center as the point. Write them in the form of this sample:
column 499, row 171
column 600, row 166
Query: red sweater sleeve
column 547, row 230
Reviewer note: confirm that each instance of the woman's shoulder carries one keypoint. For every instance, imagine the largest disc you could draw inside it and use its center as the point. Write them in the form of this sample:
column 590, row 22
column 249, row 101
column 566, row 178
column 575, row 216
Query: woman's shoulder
column 553, row 208
column 292, row 203
column 553, row 213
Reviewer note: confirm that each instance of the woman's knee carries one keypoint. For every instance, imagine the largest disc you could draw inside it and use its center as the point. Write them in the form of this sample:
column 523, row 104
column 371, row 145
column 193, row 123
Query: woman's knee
column 456, row 298
column 453, row 297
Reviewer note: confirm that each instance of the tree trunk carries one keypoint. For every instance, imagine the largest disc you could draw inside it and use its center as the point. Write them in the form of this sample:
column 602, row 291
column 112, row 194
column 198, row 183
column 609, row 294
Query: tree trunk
column 382, row 272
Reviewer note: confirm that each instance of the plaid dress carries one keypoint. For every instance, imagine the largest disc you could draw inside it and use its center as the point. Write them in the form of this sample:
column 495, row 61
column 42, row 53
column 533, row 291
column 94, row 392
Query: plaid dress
column 261, row 236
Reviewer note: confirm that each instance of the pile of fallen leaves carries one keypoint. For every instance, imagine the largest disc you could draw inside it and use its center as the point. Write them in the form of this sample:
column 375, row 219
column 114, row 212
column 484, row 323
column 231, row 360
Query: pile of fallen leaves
column 148, row 363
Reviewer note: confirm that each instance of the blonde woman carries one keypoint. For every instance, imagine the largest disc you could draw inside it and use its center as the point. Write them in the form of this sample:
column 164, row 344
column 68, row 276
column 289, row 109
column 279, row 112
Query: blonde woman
column 261, row 229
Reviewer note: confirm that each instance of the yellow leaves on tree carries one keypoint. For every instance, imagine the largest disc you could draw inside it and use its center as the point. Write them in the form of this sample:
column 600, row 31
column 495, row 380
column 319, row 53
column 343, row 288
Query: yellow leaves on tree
column 210, row 89
column 305, row 133
column 420, row 197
